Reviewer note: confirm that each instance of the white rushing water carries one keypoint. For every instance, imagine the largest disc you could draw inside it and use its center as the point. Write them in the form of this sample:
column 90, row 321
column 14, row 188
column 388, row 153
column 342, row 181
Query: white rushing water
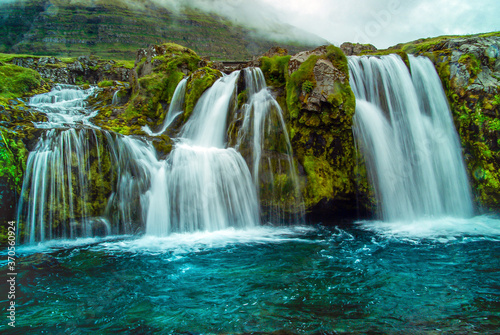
column 403, row 127
column 206, row 185
column 82, row 180
column 263, row 133
column 64, row 105
column 71, row 163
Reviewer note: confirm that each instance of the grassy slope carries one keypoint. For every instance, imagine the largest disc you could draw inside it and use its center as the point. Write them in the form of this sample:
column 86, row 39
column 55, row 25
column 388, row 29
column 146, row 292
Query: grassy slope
column 113, row 30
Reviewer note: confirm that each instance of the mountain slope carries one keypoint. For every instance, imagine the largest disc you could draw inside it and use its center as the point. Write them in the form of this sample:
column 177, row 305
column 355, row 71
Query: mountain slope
column 118, row 28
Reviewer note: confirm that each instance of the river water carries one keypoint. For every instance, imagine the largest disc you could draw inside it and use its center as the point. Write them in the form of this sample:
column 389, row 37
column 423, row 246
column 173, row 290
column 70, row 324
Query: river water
column 365, row 277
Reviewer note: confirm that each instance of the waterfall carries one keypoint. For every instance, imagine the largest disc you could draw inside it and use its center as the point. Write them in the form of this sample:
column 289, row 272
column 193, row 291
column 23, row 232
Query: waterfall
column 208, row 124
column 80, row 180
column 174, row 110
column 404, row 129
column 64, row 106
column 264, row 135
column 209, row 186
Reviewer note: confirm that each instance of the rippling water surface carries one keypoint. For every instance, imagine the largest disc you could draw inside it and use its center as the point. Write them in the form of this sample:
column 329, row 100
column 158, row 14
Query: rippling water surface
column 368, row 277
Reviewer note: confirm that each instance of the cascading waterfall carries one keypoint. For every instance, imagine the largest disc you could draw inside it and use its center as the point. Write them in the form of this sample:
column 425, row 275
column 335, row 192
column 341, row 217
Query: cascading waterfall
column 64, row 106
column 404, row 129
column 209, row 186
column 264, row 136
column 80, row 180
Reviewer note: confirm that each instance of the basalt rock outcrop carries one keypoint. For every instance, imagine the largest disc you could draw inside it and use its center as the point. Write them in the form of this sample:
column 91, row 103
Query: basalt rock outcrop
column 313, row 87
column 84, row 69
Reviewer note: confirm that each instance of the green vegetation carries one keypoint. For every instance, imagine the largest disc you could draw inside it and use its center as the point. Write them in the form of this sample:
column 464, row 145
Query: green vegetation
column 472, row 64
column 337, row 57
column 275, row 69
column 199, row 81
column 295, row 82
column 117, row 28
column 105, row 83
column 13, row 155
column 17, row 81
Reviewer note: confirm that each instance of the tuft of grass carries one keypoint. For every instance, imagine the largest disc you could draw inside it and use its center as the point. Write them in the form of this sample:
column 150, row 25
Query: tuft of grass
column 295, row 82
column 105, row 83
column 17, row 81
column 275, row 69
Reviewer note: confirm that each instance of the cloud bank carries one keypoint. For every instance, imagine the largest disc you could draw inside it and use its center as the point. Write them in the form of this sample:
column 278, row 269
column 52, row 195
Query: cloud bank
column 380, row 22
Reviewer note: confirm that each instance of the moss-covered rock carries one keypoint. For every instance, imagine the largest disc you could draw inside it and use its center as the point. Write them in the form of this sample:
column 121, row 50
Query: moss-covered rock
column 321, row 106
column 74, row 71
column 275, row 69
column 198, row 82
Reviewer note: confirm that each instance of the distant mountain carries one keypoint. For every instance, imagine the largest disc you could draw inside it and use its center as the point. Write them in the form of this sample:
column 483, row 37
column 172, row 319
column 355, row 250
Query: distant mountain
column 117, row 28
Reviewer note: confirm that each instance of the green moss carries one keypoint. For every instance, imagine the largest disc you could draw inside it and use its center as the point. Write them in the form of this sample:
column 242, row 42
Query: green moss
column 275, row 69
column 13, row 156
column 295, row 82
column 156, row 89
column 337, row 57
column 307, row 86
column 17, row 81
column 242, row 98
column 472, row 63
column 105, row 83
column 127, row 64
column 197, row 84
column 322, row 139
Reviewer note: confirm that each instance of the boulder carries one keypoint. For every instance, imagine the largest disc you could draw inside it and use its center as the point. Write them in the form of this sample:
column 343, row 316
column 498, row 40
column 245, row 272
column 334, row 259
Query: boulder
column 354, row 49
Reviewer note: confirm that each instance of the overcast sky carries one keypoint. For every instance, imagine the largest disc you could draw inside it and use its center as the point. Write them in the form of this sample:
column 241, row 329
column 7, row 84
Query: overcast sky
column 380, row 22
column 388, row 22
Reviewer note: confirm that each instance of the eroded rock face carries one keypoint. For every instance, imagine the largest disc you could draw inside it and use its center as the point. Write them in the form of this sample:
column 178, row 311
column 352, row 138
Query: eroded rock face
column 84, row 69
column 301, row 57
column 474, row 63
column 354, row 49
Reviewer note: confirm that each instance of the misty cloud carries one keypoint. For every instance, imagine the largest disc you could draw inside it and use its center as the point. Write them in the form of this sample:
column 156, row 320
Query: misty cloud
column 382, row 22
column 388, row 22
column 255, row 15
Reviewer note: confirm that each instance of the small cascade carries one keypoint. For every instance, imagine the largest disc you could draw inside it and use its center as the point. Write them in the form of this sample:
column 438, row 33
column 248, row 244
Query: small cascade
column 115, row 100
column 207, row 125
column 80, row 181
column 263, row 135
column 64, row 106
column 404, row 129
column 175, row 109
column 209, row 186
